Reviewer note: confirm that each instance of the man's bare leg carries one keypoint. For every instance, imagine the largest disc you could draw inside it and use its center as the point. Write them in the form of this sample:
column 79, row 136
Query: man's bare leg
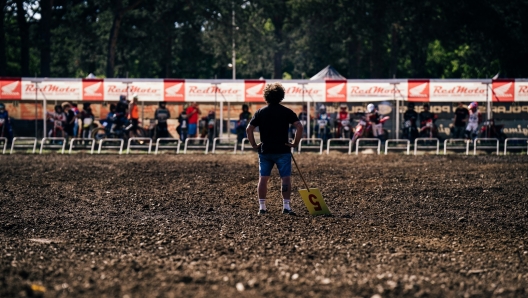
column 262, row 191
column 286, row 192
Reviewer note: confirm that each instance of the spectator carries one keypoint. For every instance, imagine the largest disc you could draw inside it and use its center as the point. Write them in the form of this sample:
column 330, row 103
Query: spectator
column 192, row 113
column 5, row 125
column 162, row 114
column 475, row 118
column 303, row 117
column 87, row 119
column 75, row 110
column 110, row 118
column 243, row 119
column 134, row 115
column 183, row 127
column 70, row 119
column 461, row 115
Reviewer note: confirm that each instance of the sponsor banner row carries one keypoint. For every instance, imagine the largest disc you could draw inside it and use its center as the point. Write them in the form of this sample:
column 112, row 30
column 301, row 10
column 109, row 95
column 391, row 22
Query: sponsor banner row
column 253, row 90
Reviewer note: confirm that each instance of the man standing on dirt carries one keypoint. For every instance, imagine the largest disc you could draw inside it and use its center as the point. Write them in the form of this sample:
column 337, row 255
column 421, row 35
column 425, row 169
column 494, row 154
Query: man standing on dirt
column 273, row 122
column 192, row 113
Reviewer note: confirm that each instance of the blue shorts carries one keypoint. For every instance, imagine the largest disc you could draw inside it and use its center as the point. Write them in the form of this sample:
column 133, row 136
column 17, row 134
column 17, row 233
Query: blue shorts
column 192, row 129
column 283, row 162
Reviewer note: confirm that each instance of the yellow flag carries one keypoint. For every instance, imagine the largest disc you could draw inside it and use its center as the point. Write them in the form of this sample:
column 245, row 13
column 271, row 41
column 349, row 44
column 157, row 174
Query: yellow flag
column 314, row 201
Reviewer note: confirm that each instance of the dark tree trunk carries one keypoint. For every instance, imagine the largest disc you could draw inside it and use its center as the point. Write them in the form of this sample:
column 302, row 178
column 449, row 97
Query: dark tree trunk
column 277, row 65
column 394, row 51
column 119, row 13
column 3, row 58
column 376, row 52
column 23, row 30
column 112, row 44
column 168, row 57
column 45, row 37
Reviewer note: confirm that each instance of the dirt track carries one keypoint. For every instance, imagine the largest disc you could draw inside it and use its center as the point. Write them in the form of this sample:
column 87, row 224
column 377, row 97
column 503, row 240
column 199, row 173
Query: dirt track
column 173, row 226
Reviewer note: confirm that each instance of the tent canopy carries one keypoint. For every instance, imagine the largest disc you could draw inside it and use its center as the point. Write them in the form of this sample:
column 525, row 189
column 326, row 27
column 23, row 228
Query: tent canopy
column 328, row 73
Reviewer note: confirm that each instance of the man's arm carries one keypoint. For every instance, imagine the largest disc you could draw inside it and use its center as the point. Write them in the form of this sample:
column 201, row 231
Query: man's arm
column 298, row 134
column 251, row 137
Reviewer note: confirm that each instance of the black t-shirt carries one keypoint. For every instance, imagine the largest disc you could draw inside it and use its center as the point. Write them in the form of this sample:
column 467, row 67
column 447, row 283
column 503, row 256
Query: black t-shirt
column 461, row 115
column 274, row 121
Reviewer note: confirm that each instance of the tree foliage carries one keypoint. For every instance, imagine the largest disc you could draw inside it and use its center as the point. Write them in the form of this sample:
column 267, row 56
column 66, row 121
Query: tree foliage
column 273, row 38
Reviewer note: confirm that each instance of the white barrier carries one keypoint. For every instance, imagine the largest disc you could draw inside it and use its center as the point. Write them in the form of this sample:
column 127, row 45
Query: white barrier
column 408, row 147
column 466, row 147
column 5, row 144
column 120, row 147
column 206, row 146
column 516, row 147
column 378, row 147
column 24, row 146
column 320, row 146
column 141, row 146
column 437, row 147
column 158, row 146
column 43, row 143
column 349, row 147
column 477, row 140
column 230, row 146
column 243, row 145
column 92, row 146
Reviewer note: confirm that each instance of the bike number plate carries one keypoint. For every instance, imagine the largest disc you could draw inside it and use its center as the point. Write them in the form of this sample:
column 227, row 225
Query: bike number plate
column 314, row 201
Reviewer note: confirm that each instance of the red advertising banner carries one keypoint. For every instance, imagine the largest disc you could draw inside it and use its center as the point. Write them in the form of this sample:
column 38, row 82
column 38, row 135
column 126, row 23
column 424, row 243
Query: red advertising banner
column 174, row 90
column 11, row 89
column 418, row 90
column 92, row 90
column 503, row 90
column 254, row 91
column 336, row 91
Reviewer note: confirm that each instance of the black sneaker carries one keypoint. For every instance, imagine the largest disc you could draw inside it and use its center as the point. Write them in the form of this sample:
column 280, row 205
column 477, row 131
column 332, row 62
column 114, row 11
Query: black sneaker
column 262, row 212
column 289, row 212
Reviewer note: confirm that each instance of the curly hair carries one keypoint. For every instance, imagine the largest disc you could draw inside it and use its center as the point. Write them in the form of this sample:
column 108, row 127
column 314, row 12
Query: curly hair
column 274, row 93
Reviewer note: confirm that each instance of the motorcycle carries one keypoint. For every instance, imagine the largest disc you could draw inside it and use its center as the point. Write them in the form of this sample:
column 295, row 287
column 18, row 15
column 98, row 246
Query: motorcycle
column 2, row 128
column 365, row 129
column 429, row 130
column 104, row 131
column 344, row 129
column 322, row 131
column 491, row 130
column 409, row 131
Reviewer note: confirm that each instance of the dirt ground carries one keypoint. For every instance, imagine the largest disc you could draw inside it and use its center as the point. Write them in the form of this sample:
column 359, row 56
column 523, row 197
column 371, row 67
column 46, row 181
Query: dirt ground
column 187, row 226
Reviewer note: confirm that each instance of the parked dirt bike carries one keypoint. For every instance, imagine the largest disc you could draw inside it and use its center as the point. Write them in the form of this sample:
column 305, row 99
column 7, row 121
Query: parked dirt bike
column 429, row 130
column 491, row 130
column 409, row 131
column 364, row 129
column 120, row 131
column 321, row 129
column 344, row 129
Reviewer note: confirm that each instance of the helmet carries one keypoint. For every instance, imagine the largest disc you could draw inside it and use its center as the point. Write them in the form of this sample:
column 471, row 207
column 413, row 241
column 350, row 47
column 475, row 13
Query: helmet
column 473, row 105
column 135, row 96
column 343, row 106
column 410, row 105
column 371, row 108
column 2, row 106
column 122, row 97
column 322, row 109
